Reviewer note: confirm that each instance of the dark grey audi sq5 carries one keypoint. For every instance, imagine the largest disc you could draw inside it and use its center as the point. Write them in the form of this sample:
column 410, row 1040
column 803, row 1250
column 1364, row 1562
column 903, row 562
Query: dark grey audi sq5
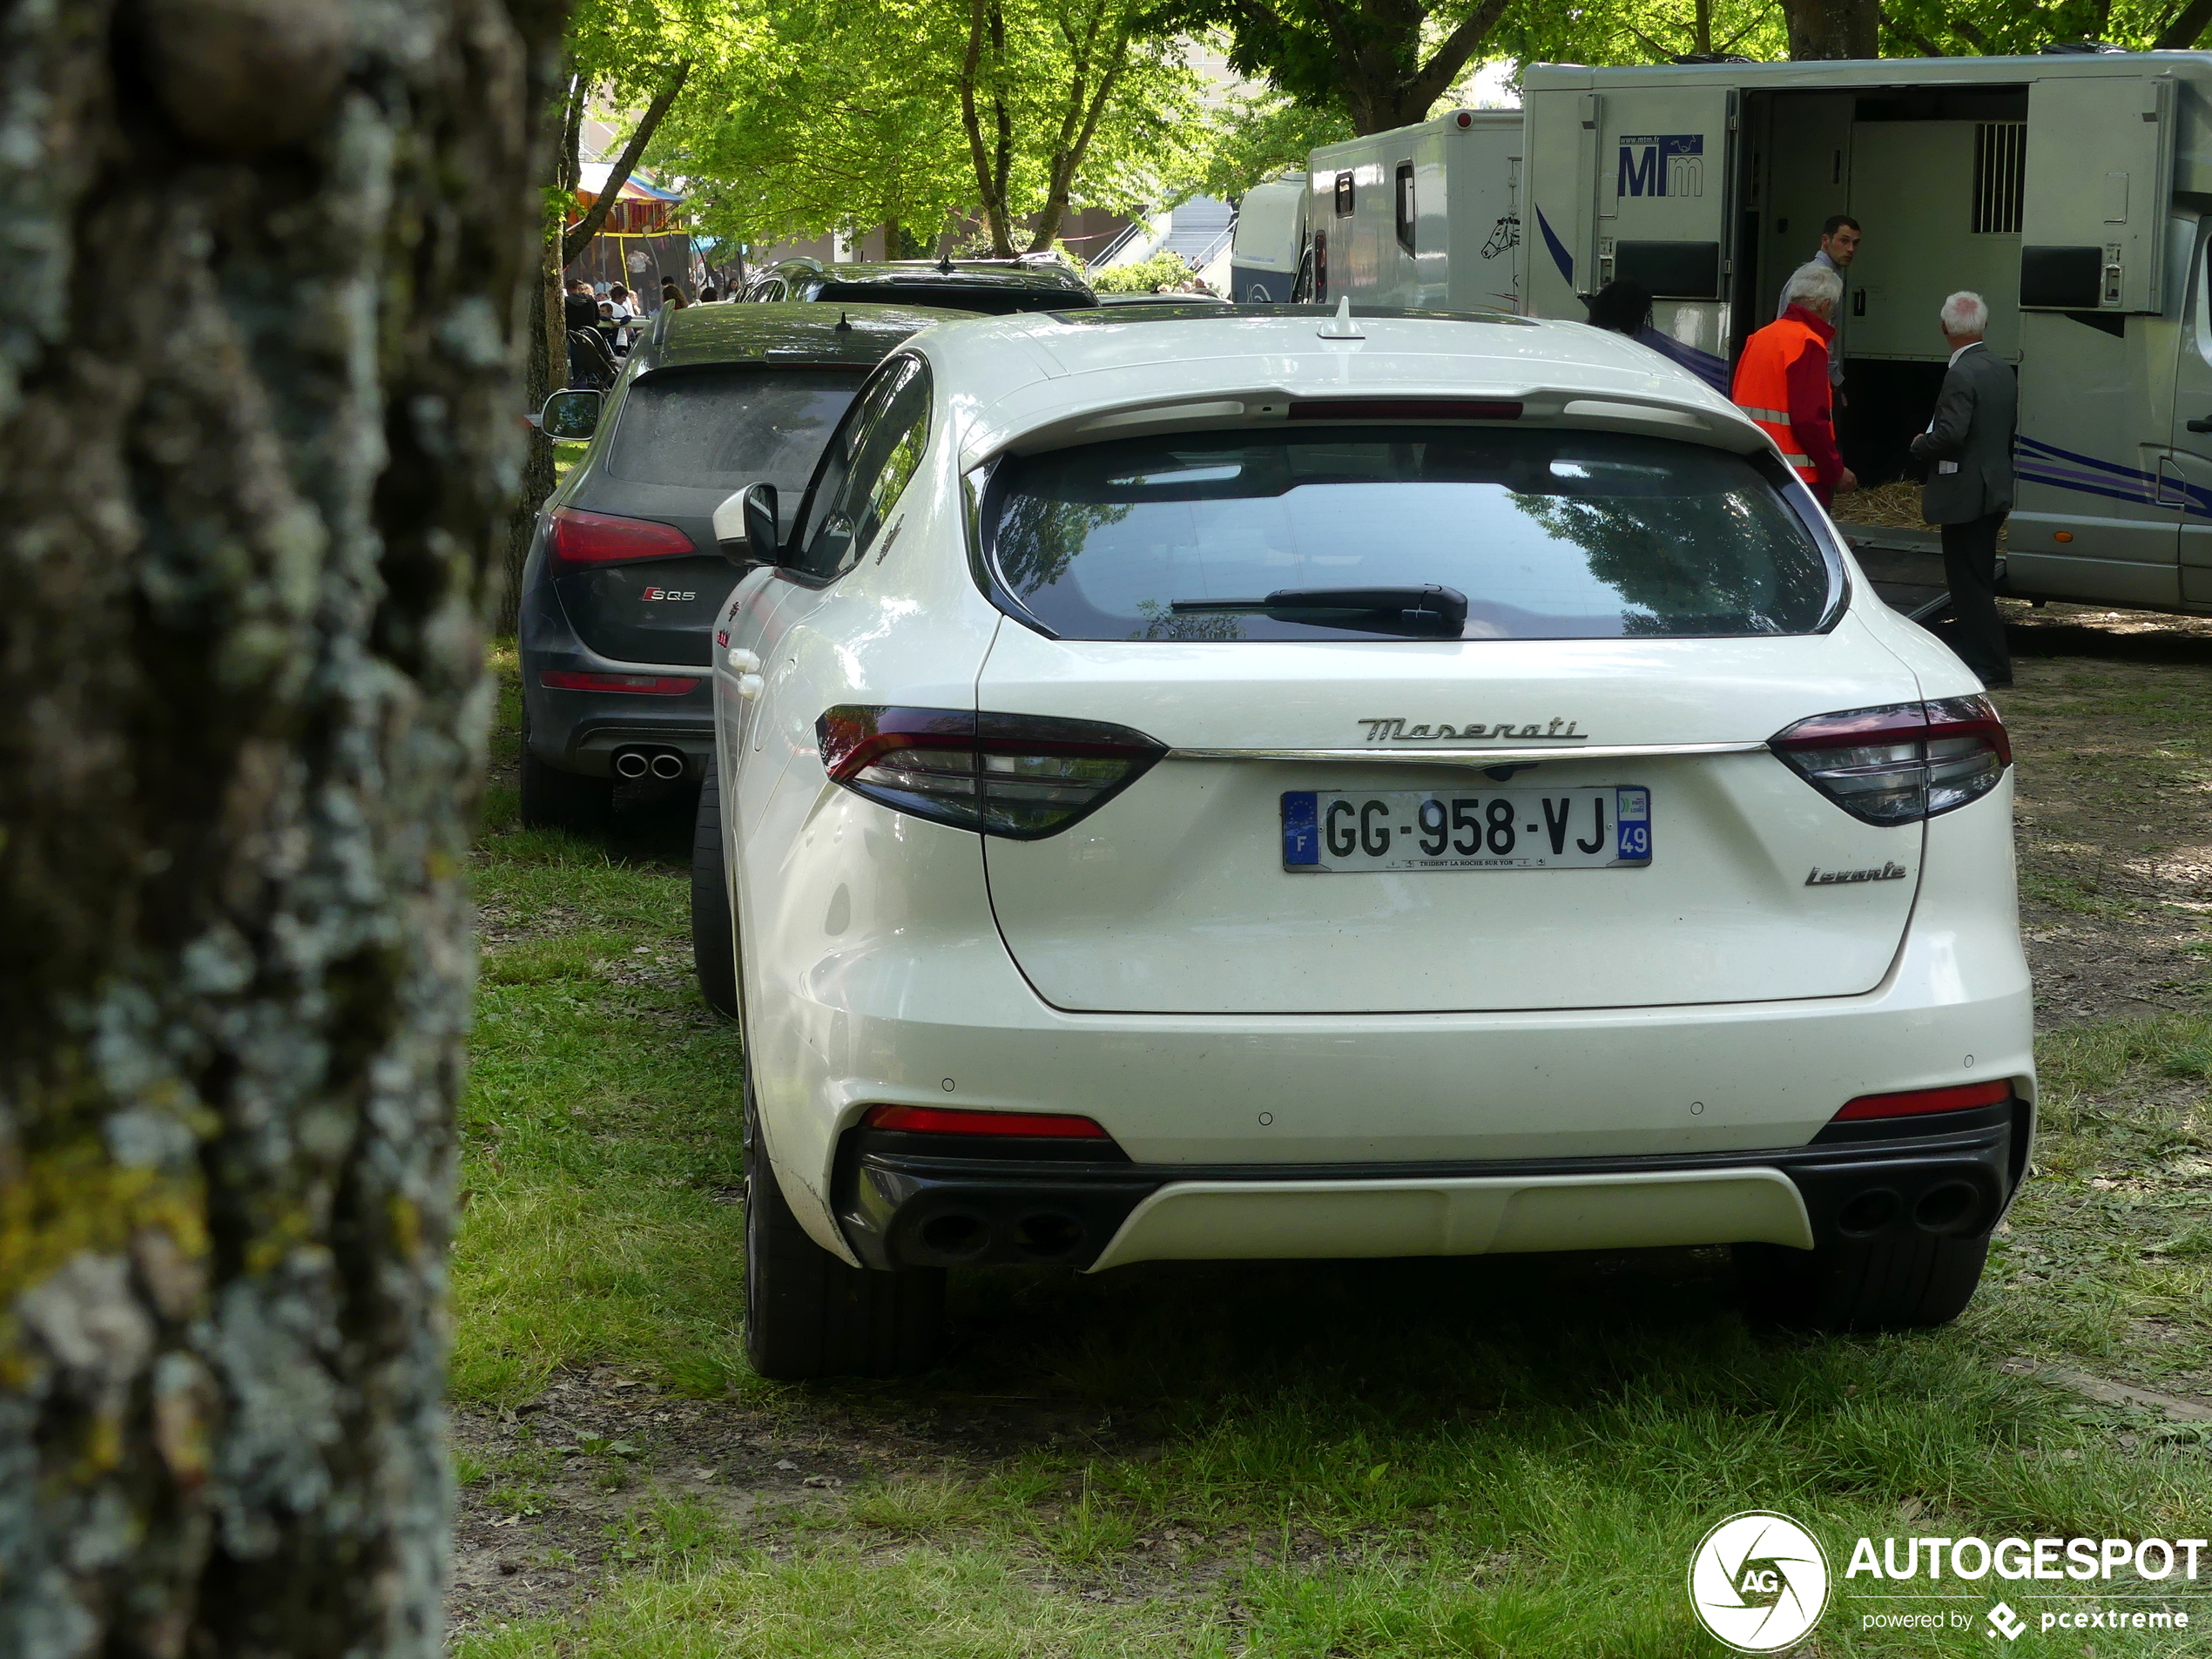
column 625, row 576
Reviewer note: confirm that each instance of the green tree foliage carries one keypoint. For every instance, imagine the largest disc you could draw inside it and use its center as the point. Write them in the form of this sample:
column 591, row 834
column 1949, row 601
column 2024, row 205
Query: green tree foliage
column 1164, row 270
column 842, row 115
column 1257, row 136
column 1996, row 28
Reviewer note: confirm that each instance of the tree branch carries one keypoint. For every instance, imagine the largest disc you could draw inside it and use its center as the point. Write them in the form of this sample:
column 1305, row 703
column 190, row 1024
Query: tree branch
column 578, row 236
column 1452, row 57
column 2182, row 33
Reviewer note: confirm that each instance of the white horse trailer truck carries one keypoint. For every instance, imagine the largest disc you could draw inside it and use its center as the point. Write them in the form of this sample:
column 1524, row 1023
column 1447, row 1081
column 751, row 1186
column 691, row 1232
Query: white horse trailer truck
column 1423, row 216
column 2074, row 194
column 1266, row 260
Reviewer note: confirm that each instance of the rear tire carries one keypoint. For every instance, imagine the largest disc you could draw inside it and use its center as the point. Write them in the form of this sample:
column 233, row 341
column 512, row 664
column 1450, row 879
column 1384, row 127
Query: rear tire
column 552, row 799
column 1875, row 1285
column 714, row 954
column 806, row 1314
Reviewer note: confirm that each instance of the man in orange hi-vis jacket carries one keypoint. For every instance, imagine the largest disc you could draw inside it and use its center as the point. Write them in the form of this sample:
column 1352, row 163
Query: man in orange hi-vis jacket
column 1782, row 382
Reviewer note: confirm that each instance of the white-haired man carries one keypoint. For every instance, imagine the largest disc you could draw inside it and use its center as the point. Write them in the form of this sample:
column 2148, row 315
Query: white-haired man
column 1782, row 381
column 1969, row 449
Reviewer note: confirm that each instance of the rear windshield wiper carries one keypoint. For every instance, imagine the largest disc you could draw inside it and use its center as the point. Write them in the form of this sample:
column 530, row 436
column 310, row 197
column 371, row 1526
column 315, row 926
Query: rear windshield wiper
column 1427, row 609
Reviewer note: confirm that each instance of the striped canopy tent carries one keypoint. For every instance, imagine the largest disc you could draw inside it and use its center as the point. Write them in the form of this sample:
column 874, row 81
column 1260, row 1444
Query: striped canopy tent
column 643, row 238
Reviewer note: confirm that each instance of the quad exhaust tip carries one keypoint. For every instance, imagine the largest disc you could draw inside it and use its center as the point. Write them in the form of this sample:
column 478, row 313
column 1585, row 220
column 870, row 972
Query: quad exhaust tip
column 962, row 1235
column 1949, row 1207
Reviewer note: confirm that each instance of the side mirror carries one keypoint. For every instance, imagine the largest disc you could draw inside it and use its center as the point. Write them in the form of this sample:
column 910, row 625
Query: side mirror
column 744, row 526
column 569, row 416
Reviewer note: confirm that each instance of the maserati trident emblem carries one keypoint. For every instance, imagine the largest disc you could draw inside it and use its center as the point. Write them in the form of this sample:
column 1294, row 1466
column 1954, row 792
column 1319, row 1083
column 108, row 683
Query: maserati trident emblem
column 1391, row 729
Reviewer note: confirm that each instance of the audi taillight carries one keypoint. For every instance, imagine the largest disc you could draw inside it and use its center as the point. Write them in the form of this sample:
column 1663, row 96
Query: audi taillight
column 1021, row 776
column 581, row 538
column 1902, row 762
column 942, row 1120
column 1914, row 1103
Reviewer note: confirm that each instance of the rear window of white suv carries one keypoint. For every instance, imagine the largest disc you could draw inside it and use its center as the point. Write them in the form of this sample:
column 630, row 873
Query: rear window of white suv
column 1417, row 532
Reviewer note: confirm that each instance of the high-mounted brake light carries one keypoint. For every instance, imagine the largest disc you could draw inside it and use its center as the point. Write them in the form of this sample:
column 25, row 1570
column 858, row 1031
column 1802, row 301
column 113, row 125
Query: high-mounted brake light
column 1902, row 762
column 570, row 679
column 1402, row 409
column 938, row 1120
column 1914, row 1103
column 577, row 537
column 1021, row 776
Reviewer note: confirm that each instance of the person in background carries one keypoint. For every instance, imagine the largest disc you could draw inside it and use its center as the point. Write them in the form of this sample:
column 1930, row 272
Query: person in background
column 671, row 297
column 1969, row 447
column 707, row 296
column 1839, row 239
column 589, row 362
column 1624, row 307
column 1782, row 382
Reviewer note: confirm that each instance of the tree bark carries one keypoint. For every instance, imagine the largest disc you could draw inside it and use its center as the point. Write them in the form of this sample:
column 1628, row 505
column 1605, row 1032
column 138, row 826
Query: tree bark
column 1831, row 29
column 993, row 167
column 580, row 234
column 253, row 507
column 545, row 369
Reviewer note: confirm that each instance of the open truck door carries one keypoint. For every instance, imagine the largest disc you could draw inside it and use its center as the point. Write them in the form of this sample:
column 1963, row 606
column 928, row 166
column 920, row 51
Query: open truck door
column 2093, row 228
column 1656, row 176
column 2099, row 490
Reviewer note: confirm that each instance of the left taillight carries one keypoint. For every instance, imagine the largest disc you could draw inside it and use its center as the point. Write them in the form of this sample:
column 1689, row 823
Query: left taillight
column 575, row 537
column 1021, row 776
column 1902, row 762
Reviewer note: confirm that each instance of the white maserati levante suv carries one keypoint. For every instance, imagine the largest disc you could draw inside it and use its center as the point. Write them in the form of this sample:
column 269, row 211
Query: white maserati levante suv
column 1249, row 783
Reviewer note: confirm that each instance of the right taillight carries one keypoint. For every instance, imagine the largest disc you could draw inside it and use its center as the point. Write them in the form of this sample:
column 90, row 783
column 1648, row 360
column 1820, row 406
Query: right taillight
column 1902, row 762
column 575, row 537
column 1919, row 1103
column 1021, row 776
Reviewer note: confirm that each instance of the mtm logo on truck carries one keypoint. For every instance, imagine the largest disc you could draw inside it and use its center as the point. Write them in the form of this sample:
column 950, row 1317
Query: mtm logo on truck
column 1663, row 163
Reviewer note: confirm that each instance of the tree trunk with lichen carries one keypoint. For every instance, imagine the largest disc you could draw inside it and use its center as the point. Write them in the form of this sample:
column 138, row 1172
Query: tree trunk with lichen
column 253, row 502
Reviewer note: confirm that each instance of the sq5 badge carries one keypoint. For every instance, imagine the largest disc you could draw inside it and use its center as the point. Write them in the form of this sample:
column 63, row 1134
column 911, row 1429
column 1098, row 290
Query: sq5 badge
column 673, row 596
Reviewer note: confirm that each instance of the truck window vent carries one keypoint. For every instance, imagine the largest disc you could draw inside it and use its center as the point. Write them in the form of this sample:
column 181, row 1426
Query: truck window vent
column 2000, row 177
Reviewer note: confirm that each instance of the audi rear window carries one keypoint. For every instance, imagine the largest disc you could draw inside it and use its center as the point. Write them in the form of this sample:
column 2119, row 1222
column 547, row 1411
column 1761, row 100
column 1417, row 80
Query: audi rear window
column 1337, row 533
column 724, row 428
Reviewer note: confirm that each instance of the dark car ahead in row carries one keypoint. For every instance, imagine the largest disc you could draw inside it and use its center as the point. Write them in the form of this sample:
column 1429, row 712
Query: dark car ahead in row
column 994, row 288
column 625, row 575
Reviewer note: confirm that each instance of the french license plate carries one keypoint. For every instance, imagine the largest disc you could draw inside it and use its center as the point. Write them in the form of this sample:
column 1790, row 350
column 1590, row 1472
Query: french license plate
column 1331, row 831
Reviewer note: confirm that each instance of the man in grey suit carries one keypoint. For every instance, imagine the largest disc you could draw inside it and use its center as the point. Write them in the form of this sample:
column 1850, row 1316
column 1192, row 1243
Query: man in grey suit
column 1969, row 447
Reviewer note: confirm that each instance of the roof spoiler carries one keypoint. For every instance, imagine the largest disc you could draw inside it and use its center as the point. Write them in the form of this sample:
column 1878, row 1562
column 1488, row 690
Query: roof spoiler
column 1723, row 428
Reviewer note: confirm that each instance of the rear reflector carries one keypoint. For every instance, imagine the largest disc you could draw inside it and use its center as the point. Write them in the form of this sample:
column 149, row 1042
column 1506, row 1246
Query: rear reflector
column 576, row 538
column 1914, row 1102
column 1401, row 409
column 1021, row 776
column 937, row 1120
column 564, row 679
column 1902, row 762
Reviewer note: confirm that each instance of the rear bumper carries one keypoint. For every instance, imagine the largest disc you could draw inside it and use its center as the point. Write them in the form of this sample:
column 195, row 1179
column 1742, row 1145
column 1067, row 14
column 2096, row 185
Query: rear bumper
column 581, row 731
column 919, row 1201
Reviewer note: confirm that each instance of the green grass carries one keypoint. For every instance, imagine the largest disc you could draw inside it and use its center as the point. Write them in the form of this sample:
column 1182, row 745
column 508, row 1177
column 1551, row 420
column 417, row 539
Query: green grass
column 599, row 1131
column 1501, row 1456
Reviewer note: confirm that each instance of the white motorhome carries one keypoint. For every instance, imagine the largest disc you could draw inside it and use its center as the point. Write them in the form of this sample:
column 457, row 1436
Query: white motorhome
column 2074, row 193
column 1266, row 258
column 1424, row 216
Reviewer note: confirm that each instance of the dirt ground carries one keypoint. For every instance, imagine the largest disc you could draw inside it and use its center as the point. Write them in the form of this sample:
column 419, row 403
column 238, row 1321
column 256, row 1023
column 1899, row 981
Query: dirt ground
column 2111, row 719
column 2112, row 729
